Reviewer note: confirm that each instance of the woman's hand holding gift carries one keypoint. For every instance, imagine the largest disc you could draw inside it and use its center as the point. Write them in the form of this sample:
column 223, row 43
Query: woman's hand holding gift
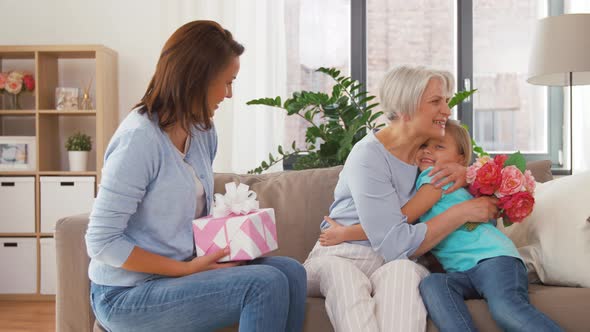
column 209, row 262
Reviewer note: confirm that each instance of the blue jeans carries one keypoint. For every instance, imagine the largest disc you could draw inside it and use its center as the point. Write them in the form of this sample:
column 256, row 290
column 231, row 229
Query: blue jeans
column 501, row 281
column 267, row 294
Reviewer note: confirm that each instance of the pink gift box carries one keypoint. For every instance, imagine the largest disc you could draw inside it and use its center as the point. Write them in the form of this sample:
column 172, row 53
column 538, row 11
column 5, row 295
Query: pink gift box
column 248, row 236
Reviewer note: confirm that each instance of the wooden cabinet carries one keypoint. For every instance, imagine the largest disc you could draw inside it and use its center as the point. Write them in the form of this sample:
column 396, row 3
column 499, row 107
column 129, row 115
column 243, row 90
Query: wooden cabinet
column 56, row 66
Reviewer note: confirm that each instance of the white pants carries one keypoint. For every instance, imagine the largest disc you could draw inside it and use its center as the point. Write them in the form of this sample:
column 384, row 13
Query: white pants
column 362, row 293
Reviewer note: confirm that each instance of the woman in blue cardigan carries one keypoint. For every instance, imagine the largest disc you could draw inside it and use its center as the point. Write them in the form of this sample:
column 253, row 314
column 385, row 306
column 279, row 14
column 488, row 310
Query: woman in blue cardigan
column 157, row 178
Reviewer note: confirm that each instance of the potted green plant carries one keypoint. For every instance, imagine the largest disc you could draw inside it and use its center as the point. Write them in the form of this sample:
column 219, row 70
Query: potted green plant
column 78, row 146
column 337, row 122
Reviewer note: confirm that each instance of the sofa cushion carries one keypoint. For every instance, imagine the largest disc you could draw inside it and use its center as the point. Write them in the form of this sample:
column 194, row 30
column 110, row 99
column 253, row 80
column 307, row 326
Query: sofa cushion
column 300, row 198
column 567, row 306
column 557, row 234
column 541, row 170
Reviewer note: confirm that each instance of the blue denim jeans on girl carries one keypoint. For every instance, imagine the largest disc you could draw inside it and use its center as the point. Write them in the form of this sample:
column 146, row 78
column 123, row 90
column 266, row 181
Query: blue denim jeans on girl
column 501, row 281
column 267, row 294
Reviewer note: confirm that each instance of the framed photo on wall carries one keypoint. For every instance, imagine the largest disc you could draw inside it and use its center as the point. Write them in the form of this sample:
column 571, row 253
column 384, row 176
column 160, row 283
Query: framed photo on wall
column 18, row 153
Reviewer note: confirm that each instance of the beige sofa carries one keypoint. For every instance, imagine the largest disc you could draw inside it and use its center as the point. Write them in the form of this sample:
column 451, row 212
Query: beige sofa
column 300, row 199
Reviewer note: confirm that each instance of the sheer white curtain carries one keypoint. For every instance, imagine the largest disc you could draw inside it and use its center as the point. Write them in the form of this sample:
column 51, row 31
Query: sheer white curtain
column 246, row 133
column 581, row 107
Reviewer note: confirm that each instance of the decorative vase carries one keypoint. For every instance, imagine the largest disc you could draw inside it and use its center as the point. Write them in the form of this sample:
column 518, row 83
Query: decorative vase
column 78, row 160
column 15, row 102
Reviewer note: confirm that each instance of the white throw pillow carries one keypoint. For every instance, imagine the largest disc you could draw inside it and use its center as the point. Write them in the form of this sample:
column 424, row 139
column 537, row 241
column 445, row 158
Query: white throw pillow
column 555, row 240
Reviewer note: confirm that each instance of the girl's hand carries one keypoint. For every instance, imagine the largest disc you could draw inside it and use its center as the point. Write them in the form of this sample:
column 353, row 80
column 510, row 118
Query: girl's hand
column 449, row 172
column 209, row 262
column 480, row 209
column 333, row 235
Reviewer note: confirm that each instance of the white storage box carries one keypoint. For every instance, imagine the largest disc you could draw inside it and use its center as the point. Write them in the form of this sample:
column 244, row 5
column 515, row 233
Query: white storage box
column 63, row 197
column 17, row 204
column 48, row 267
column 18, row 274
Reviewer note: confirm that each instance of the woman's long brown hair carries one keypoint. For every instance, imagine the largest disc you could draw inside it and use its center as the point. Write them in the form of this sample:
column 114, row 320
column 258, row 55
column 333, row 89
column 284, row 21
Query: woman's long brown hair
column 190, row 60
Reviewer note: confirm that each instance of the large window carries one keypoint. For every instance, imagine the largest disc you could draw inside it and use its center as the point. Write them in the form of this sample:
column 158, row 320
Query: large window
column 317, row 35
column 486, row 50
column 508, row 113
column 409, row 32
column 485, row 43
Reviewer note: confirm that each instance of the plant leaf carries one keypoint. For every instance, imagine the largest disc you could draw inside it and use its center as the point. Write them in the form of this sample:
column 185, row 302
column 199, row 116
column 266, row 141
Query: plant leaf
column 459, row 97
column 274, row 102
column 516, row 159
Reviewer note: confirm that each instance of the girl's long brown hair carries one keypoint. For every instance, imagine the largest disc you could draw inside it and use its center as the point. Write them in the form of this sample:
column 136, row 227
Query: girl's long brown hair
column 191, row 58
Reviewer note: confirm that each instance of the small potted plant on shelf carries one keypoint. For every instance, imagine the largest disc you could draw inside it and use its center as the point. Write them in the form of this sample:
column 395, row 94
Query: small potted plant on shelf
column 78, row 146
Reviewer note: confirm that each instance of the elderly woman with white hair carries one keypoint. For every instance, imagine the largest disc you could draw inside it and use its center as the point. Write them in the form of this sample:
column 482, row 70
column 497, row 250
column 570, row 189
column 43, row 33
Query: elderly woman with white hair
column 373, row 285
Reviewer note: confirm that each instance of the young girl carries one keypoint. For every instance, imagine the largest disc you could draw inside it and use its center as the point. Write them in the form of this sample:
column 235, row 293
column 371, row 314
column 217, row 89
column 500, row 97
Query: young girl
column 482, row 263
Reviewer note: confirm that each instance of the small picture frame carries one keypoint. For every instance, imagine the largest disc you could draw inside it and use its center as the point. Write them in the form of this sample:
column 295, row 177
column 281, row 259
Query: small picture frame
column 66, row 99
column 18, row 153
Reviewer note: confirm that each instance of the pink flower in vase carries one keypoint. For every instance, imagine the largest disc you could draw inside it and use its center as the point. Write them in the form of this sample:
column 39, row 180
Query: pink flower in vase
column 29, row 82
column 2, row 80
column 13, row 86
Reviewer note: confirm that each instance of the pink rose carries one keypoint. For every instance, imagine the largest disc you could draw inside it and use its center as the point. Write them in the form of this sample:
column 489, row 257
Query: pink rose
column 517, row 207
column 500, row 159
column 481, row 161
column 15, row 75
column 487, row 180
column 529, row 181
column 13, row 86
column 512, row 181
column 471, row 173
column 2, row 80
column 29, row 82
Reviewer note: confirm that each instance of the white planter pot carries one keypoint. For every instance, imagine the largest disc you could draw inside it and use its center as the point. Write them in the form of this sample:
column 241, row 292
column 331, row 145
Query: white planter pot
column 78, row 160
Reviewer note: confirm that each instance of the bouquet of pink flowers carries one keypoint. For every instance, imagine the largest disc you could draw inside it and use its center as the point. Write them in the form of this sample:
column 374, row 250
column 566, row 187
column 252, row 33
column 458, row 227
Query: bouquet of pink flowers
column 507, row 179
column 15, row 82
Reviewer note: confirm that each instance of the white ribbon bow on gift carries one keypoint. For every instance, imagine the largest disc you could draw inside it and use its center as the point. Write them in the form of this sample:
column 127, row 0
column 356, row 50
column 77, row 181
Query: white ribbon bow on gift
column 237, row 200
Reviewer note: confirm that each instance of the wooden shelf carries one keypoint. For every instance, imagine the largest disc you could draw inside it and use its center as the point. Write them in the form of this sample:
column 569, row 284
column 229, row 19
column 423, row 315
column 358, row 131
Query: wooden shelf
column 18, row 234
column 79, row 112
column 17, row 173
column 56, row 66
column 67, row 173
column 17, row 112
column 27, row 297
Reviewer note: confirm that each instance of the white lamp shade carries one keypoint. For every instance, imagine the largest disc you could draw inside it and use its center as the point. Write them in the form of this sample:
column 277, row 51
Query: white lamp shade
column 561, row 45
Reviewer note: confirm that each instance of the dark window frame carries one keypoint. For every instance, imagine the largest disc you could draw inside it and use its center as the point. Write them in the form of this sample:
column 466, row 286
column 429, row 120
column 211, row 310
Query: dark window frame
column 555, row 95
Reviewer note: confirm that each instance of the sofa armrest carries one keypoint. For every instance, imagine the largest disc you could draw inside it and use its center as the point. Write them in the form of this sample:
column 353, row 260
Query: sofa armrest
column 73, row 311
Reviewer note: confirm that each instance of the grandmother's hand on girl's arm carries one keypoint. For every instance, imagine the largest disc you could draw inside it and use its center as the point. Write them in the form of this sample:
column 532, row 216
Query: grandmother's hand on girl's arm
column 449, row 172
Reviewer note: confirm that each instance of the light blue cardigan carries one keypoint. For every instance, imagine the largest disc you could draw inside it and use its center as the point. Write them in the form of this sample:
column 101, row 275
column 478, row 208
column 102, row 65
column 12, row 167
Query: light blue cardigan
column 147, row 198
column 372, row 188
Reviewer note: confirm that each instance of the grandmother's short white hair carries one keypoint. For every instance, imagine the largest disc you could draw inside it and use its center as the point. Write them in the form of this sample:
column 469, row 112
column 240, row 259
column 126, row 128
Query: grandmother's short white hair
column 402, row 87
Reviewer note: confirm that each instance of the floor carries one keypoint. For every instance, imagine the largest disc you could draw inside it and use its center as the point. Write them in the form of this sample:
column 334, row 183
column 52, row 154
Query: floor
column 20, row 316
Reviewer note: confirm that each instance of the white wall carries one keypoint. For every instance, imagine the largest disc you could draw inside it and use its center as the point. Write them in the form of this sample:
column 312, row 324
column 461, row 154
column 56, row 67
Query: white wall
column 131, row 27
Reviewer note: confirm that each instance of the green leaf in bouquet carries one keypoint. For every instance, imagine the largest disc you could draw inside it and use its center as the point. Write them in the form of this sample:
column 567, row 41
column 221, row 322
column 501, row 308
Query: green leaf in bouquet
column 506, row 222
column 517, row 160
column 470, row 226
